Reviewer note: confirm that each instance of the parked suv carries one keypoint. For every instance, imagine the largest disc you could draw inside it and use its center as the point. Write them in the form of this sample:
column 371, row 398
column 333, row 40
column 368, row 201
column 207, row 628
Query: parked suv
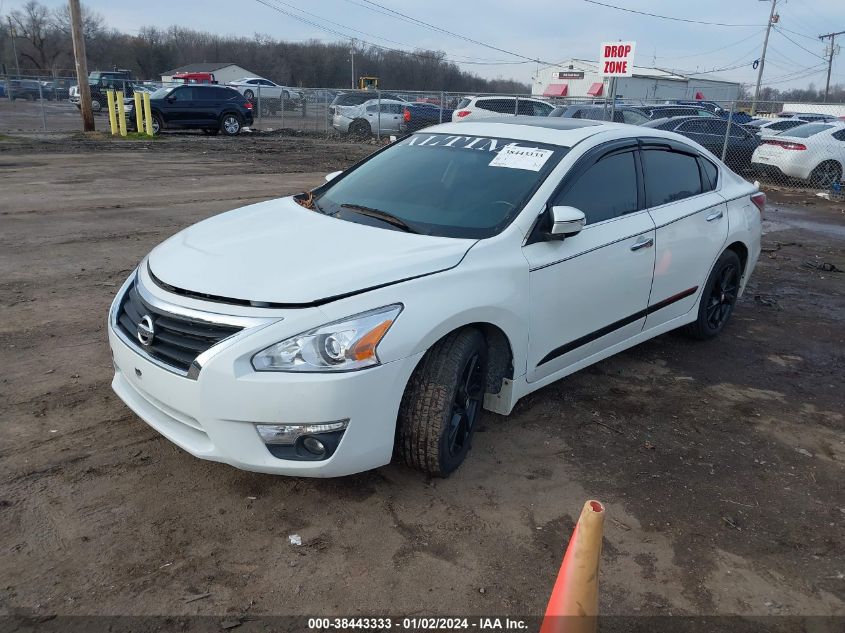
column 357, row 97
column 473, row 108
column 209, row 108
column 24, row 89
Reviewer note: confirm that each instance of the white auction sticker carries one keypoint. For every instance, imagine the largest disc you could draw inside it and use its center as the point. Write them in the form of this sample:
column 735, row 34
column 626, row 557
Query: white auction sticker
column 516, row 157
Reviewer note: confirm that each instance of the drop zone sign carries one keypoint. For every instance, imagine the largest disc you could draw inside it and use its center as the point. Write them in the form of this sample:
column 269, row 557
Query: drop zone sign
column 617, row 59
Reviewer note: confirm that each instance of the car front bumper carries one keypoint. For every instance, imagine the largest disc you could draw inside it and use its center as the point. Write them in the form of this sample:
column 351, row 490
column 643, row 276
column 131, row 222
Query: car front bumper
column 213, row 414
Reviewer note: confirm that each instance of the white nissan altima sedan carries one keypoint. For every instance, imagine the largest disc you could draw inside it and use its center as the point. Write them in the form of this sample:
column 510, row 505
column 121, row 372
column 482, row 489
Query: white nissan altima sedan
column 459, row 268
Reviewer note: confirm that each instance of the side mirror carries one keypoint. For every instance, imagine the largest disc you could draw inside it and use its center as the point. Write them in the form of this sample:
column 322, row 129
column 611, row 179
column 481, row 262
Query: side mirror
column 567, row 221
column 333, row 175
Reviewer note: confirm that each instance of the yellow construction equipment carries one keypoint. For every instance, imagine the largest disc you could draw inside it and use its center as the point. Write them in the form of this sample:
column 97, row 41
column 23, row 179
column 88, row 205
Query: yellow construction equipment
column 368, row 83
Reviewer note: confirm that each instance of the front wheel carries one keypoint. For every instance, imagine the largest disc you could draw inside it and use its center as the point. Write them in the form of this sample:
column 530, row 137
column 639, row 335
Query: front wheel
column 157, row 124
column 230, row 125
column 442, row 402
column 718, row 297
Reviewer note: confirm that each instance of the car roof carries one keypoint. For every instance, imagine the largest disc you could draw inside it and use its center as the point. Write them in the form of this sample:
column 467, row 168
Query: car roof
column 681, row 119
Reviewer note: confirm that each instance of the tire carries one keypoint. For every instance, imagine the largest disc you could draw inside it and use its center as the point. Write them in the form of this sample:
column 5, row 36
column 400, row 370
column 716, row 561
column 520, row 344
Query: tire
column 826, row 174
column 231, row 124
column 158, row 124
column 441, row 404
column 96, row 106
column 249, row 94
column 360, row 127
column 718, row 298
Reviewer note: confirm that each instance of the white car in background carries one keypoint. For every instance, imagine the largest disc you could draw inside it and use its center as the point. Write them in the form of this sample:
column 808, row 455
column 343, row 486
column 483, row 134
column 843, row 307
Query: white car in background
column 814, row 152
column 370, row 117
column 475, row 108
column 254, row 87
column 765, row 128
column 460, row 268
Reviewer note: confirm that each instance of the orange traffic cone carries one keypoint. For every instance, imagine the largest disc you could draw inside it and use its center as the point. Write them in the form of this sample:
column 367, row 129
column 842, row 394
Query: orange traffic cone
column 574, row 603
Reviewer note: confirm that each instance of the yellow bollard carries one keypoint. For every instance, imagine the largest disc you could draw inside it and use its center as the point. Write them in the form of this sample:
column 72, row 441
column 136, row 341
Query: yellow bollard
column 148, row 114
column 139, row 116
column 121, row 112
column 112, row 118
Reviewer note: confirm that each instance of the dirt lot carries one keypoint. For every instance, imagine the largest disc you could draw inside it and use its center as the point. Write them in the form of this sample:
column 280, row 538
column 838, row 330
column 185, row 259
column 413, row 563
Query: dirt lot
column 721, row 463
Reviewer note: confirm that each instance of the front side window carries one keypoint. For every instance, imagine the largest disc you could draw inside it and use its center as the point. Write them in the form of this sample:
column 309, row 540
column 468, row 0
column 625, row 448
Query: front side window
column 669, row 176
column 441, row 184
column 606, row 190
column 183, row 94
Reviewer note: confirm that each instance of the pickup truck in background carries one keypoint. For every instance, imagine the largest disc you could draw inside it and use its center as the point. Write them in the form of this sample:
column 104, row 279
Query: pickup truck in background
column 100, row 82
column 416, row 116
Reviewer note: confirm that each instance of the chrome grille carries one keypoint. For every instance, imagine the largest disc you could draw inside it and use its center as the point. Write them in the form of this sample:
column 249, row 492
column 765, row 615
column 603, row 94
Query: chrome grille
column 177, row 340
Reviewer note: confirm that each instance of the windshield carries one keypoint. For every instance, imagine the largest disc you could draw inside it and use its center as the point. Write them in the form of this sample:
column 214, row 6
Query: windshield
column 445, row 185
column 161, row 93
column 808, row 129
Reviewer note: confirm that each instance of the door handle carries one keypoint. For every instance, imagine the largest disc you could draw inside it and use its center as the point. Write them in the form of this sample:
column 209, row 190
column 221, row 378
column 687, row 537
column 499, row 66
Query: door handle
column 715, row 216
column 643, row 242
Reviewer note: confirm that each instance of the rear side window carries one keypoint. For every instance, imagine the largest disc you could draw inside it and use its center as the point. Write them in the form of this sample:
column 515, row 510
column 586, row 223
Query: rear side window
column 506, row 106
column 809, row 129
column 709, row 174
column 606, row 190
column 462, row 103
column 669, row 176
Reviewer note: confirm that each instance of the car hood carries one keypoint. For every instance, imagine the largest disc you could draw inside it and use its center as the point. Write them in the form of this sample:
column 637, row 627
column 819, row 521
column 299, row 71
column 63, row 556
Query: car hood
column 278, row 252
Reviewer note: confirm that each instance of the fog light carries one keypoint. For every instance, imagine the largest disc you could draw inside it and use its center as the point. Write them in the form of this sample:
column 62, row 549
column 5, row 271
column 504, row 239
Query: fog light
column 313, row 445
column 287, row 434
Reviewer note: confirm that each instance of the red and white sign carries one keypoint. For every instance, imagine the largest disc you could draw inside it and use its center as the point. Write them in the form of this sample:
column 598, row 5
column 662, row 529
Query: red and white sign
column 617, row 59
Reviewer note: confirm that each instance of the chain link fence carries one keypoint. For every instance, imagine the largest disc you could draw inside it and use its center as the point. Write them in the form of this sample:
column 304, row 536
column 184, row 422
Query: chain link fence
column 785, row 144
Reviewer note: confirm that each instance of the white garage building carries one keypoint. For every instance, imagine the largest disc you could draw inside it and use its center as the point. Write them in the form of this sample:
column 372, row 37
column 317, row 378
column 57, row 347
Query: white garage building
column 580, row 78
column 223, row 71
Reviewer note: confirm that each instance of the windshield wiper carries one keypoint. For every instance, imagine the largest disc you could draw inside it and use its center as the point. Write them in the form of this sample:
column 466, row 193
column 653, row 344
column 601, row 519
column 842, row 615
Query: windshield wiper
column 380, row 215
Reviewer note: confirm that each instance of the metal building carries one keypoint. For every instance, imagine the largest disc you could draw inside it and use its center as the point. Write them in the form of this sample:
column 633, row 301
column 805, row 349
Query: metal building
column 580, row 78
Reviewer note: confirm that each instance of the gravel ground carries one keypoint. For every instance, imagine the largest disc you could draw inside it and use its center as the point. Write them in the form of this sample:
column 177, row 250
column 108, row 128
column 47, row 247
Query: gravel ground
column 721, row 463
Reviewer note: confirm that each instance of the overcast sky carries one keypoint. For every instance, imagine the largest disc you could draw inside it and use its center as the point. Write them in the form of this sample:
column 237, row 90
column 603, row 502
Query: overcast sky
column 549, row 30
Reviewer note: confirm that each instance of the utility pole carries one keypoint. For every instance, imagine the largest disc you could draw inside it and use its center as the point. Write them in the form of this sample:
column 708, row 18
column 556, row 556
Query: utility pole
column 352, row 57
column 832, row 38
column 772, row 20
column 12, row 36
column 81, row 66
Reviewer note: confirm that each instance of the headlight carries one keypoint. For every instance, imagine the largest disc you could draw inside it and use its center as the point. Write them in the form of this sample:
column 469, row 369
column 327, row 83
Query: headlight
column 340, row 346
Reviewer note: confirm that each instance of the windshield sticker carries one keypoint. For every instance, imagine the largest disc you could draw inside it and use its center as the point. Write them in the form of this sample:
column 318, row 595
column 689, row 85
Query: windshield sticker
column 456, row 142
column 515, row 157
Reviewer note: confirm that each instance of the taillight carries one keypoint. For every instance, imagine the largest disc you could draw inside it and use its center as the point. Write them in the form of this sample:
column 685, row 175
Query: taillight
column 462, row 113
column 248, row 105
column 759, row 200
column 785, row 144
column 406, row 116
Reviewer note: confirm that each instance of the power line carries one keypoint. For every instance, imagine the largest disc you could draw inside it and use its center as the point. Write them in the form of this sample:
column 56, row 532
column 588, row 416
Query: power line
column 375, row 6
column 347, row 36
column 667, row 17
column 798, row 45
column 721, row 48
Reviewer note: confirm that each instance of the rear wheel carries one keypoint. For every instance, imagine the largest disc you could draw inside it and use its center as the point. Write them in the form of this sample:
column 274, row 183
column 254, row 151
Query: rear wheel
column 360, row 127
column 442, row 402
column 96, row 106
column 718, row 297
column 826, row 174
column 249, row 94
column 231, row 124
column 157, row 124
